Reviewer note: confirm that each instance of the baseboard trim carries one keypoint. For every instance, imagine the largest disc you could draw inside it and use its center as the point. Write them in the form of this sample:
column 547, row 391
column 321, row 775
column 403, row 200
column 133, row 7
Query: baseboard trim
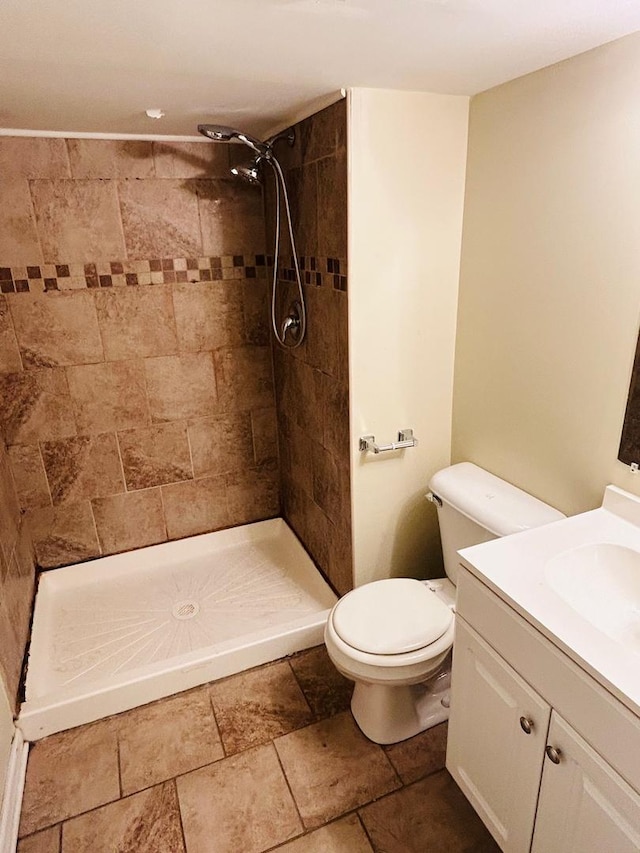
column 13, row 791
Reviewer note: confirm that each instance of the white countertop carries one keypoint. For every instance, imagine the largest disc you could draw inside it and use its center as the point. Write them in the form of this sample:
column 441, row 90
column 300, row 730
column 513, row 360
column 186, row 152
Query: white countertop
column 514, row 567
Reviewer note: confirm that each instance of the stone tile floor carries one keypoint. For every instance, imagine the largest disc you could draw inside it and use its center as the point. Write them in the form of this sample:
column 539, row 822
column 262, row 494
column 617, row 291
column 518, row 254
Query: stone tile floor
column 269, row 759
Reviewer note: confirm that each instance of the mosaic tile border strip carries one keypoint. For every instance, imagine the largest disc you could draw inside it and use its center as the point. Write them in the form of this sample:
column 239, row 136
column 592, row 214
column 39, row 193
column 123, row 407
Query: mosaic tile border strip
column 51, row 277
column 319, row 272
column 39, row 278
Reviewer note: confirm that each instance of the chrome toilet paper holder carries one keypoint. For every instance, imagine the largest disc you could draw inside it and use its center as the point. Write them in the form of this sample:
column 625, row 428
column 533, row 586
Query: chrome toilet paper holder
column 406, row 439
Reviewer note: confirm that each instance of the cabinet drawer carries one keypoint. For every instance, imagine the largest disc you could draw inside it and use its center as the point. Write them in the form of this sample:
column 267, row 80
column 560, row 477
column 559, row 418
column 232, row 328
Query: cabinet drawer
column 603, row 721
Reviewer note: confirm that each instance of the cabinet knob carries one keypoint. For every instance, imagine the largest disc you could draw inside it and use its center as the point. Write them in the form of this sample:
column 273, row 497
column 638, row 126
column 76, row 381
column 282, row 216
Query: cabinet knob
column 553, row 754
column 526, row 725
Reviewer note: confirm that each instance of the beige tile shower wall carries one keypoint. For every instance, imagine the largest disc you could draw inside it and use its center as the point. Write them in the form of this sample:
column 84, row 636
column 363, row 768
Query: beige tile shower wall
column 312, row 381
column 135, row 370
column 17, row 575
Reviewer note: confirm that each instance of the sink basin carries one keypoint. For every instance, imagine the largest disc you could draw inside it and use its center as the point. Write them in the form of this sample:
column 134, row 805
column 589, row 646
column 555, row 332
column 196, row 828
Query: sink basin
column 601, row 582
column 577, row 581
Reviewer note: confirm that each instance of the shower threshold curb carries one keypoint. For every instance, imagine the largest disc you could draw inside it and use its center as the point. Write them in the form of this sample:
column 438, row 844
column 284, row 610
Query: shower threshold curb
column 44, row 716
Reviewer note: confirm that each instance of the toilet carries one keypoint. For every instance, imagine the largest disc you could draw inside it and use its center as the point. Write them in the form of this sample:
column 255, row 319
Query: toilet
column 393, row 637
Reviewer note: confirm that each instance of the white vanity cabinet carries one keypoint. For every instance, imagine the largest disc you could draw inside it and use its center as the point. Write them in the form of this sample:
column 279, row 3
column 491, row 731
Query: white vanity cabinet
column 539, row 782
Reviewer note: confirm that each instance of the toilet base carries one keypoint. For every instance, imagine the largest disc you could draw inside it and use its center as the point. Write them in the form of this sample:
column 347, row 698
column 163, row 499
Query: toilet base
column 392, row 714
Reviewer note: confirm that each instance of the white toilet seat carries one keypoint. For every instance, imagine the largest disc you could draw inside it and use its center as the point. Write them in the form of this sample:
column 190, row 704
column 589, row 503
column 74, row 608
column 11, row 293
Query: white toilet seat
column 407, row 667
column 390, row 617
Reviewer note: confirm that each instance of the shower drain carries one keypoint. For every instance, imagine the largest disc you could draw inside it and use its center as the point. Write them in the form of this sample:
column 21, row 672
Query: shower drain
column 185, row 609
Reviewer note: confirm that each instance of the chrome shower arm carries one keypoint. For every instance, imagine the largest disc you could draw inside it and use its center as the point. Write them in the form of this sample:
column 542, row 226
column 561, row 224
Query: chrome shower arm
column 288, row 134
column 260, row 148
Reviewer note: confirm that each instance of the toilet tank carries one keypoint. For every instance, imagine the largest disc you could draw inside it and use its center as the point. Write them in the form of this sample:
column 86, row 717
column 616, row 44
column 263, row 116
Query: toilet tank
column 475, row 506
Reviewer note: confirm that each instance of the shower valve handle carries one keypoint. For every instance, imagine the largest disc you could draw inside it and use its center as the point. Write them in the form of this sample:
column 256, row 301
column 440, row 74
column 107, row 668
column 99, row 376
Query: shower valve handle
column 293, row 321
column 290, row 323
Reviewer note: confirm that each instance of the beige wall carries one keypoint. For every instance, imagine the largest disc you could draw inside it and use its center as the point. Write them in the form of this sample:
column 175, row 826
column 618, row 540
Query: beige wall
column 407, row 154
column 550, row 279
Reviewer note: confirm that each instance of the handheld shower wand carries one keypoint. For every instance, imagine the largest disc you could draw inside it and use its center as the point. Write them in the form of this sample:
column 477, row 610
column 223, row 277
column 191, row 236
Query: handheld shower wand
column 222, row 133
column 294, row 326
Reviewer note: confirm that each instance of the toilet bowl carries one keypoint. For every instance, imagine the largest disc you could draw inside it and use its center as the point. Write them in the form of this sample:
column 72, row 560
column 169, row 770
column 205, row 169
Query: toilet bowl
column 393, row 637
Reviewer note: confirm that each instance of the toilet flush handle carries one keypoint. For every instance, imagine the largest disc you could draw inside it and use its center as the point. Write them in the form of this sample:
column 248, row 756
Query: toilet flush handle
column 434, row 499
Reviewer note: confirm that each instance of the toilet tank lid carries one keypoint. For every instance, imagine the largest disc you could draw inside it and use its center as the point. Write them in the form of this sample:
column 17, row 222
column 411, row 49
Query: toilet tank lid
column 491, row 502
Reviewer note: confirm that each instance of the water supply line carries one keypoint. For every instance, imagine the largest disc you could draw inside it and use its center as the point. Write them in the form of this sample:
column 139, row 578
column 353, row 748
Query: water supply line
column 294, row 326
column 297, row 318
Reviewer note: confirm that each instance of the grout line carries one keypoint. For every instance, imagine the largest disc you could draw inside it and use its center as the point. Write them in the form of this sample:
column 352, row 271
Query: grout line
column 281, row 844
column 215, row 720
column 15, row 334
column 392, row 766
column 160, row 782
column 124, row 476
column 8, row 471
column 253, row 437
column 200, row 234
column 178, row 350
column 116, row 190
column 364, row 827
column 120, row 784
column 354, row 812
column 164, row 514
column 72, row 401
column 95, row 527
column 98, row 323
column 149, row 419
column 180, row 818
column 73, row 816
column 286, row 779
column 153, row 159
column 44, row 472
column 71, row 175
column 32, row 207
column 193, row 470
column 57, row 826
column 315, row 716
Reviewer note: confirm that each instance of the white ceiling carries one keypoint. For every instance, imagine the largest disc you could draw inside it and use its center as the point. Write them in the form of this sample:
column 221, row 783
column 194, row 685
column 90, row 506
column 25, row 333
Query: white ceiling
column 89, row 66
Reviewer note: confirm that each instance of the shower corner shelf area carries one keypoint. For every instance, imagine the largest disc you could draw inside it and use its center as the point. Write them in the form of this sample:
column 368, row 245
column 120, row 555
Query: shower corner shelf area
column 367, row 443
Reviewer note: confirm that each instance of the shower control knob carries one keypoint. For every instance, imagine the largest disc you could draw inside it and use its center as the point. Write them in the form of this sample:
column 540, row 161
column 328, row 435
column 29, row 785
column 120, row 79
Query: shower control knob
column 294, row 322
column 526, row 725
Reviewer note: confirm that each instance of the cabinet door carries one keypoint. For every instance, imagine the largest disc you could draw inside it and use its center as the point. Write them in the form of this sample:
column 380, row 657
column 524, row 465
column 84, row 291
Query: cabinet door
column 584, row 806
column 489, row 753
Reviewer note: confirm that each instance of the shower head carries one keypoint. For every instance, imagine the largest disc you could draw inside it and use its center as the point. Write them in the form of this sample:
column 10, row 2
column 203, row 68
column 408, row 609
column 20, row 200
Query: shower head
column 218, row 132
column 222, row 133
column 248, row 173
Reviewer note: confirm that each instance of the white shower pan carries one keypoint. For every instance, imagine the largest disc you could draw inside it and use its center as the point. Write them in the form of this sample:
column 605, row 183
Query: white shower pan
column 124, row 630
